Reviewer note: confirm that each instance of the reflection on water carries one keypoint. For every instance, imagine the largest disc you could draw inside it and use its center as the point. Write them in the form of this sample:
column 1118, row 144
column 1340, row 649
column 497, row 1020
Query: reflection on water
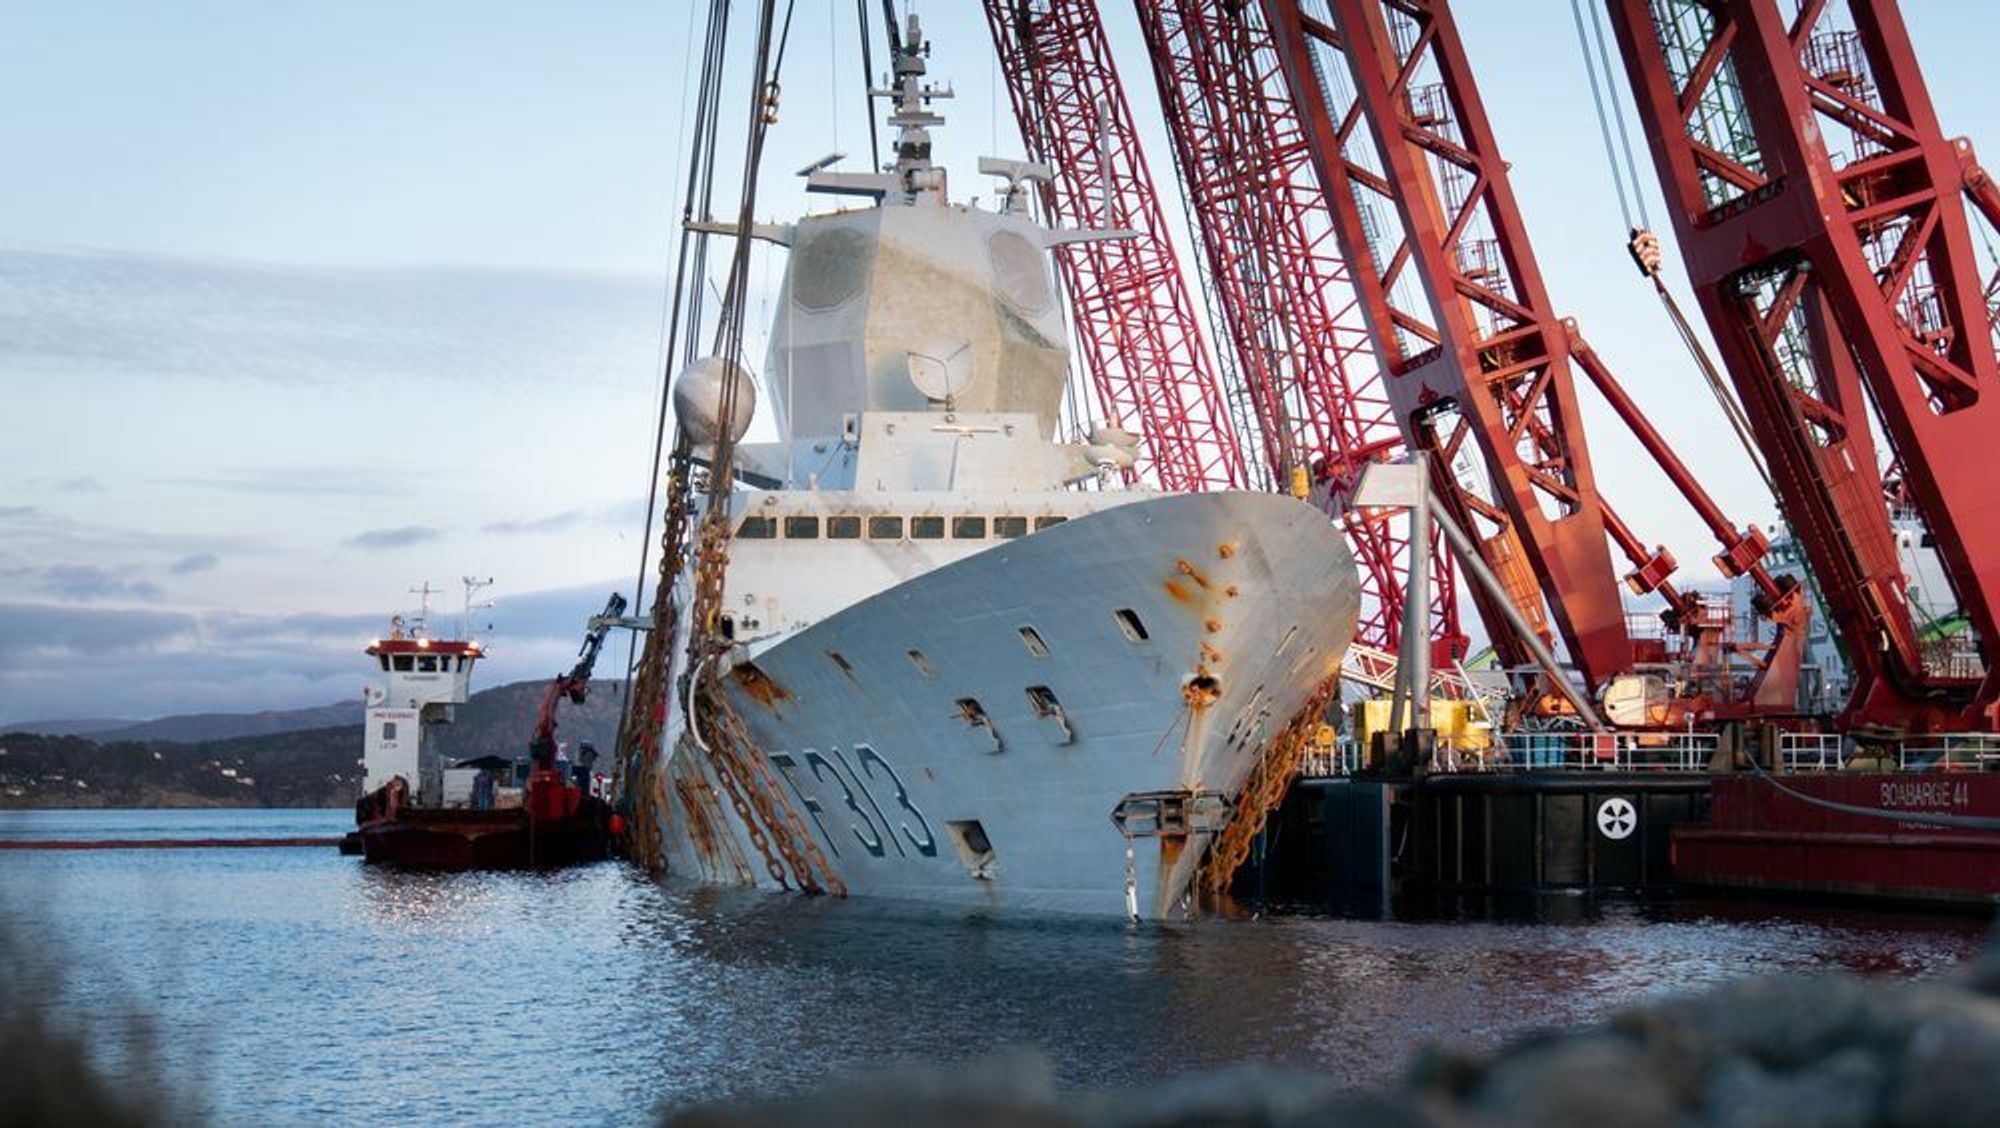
column 301, row 984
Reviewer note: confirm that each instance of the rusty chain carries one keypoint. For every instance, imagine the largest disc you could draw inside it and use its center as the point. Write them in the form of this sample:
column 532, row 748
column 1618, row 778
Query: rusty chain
column 1263, row 790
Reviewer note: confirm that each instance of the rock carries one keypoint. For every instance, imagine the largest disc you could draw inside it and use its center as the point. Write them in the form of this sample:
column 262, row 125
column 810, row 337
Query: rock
column 1594, row 1079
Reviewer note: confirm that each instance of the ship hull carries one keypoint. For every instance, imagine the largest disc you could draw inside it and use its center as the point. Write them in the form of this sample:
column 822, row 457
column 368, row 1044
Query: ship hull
column 453, row 839
column 1760, row 838
column 966, row 736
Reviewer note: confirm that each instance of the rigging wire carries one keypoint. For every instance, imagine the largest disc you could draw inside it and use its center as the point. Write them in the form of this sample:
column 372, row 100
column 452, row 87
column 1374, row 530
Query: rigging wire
column 1618, row 115
column 662, row 356
column 1603, row 119
column 868, row 87
column 1644, row 245
column 699, row 189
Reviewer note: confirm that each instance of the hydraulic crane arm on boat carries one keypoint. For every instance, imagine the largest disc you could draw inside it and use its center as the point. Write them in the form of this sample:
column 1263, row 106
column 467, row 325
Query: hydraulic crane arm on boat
column 574, row 685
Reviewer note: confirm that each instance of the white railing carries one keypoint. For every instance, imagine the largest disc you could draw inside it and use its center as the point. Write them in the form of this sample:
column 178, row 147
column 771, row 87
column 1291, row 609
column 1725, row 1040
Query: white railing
column 1970, row 751
column 1830, row 752
column 1811, row 752
column 1606, row 751
column 1333, row 762
column 1682, row 752
column 1536, row 751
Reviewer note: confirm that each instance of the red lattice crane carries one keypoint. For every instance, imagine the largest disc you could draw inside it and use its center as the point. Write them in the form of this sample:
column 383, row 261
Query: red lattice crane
column 1280, row 289
column 1817, row 205
column 1133, row 322
column 1479, row 363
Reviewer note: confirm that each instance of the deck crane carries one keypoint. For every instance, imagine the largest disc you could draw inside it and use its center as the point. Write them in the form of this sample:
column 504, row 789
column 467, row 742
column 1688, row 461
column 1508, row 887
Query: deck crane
column 1398, row 166
column 1816, row 203
column 549, row 795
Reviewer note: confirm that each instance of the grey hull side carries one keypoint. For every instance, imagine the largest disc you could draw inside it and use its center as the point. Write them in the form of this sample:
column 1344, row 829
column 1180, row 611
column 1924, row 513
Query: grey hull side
column 865, row 717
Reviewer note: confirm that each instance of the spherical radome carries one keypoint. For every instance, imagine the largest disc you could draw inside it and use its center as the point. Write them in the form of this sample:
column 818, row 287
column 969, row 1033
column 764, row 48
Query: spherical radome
column 698, row 399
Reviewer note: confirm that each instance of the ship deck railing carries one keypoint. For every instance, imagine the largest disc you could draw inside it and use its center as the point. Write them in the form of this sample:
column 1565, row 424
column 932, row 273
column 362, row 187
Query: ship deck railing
column 1542, row 752
column 1674, row 752
column 1943, row 751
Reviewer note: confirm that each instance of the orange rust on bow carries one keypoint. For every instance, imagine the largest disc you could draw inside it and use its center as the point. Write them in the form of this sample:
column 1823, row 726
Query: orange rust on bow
column 697, row 799
column 1201, row 690
column 1180, row 594
column 1232, row 591
column 1210, row 656
column 1226, row 549
column 1192, row 573
column 1214, row 625
column 1171, row 847
column 760, row 686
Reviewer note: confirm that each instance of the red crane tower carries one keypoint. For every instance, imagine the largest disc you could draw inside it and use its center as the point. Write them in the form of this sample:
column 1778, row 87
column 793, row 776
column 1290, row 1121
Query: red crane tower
column 1816, row 201
column 1479, row 362
column 1281, row 290
column 1134, row 324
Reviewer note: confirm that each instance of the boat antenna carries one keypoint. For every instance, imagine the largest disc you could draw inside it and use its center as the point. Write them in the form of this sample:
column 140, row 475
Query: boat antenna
column 473, row 586
column 423, row 592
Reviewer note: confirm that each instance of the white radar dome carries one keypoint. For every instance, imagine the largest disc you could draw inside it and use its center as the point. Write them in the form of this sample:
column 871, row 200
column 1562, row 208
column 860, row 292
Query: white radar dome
column 698, row 399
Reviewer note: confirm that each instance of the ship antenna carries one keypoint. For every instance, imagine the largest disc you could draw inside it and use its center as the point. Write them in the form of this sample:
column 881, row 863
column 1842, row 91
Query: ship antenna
column 423, row 592
column 473, row 586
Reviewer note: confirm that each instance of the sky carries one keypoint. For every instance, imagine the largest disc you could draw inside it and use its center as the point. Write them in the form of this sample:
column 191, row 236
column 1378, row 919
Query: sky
column 304, row 304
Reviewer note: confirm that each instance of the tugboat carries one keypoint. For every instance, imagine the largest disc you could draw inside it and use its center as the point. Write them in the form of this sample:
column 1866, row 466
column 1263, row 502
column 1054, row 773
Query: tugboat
column 421, row 810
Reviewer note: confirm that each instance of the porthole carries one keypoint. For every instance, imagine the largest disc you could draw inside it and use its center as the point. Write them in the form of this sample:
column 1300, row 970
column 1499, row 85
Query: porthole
column 801, row 528
column 757, row 527
column 1032, row 639
column 1128, row 622
column 927, row 528
column 1048, row 522
column 885, row 528
column 843, row 528
column 968, row 528
column 1010, row 527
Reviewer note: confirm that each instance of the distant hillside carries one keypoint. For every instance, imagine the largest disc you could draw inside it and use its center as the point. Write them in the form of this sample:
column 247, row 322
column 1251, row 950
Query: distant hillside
column 318, row 767
column 227, row 726
column 70, row 726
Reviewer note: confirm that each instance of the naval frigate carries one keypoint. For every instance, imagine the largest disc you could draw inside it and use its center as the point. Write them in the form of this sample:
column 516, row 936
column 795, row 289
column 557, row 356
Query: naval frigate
column 982, row 667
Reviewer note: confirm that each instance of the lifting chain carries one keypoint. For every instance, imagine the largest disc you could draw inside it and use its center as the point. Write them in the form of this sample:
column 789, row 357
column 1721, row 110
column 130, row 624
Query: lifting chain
column 646, row 715
column 748, row 773
column 1265, row 788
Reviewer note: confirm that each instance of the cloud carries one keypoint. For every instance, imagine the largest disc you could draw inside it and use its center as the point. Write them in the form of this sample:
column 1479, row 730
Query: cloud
column 38, row 629
column 553, row 523
column 68, row 660
column 86, row 582
column 82, row 484
column 39, row 533
column 292, row 481
column 402, row 537
column 189, row 565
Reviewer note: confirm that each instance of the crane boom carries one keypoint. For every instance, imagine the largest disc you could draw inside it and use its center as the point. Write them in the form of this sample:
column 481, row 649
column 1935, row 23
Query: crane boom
column 1816, row 202
column 1480, row 363
column 1277, row 278
column 1131, row 317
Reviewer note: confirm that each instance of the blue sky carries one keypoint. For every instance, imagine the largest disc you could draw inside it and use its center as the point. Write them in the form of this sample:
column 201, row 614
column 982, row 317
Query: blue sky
column 303, row 303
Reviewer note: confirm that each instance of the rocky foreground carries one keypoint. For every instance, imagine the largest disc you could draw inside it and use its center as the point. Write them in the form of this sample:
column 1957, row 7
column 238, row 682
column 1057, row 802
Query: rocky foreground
column 1787, row 1051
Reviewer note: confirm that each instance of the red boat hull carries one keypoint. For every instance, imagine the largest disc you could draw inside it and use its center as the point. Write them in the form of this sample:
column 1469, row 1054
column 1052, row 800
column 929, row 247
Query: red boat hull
column 468, row 840
column 1761, row 838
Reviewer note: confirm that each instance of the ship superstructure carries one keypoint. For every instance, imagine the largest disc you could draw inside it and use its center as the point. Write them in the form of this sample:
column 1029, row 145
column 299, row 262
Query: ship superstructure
column 976, row 665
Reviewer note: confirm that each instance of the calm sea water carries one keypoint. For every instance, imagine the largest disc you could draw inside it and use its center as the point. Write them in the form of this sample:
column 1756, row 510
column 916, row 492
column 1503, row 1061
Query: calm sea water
column 293, row 984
